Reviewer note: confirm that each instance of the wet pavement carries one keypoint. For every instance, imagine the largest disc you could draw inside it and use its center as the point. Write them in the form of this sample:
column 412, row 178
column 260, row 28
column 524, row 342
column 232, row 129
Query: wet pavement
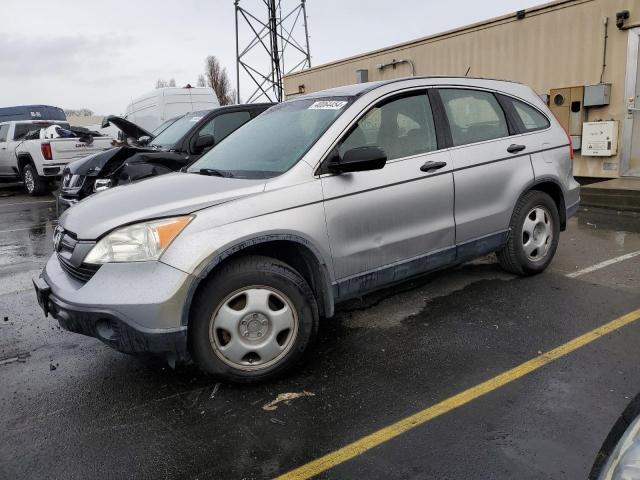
column 70, row 407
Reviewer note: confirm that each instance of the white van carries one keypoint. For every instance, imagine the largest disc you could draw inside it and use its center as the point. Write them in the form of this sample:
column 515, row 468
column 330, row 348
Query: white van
column 152, row 109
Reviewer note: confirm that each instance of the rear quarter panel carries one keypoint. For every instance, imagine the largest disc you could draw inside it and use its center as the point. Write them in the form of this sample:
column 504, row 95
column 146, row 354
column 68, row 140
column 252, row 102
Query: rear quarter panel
column 553, row 162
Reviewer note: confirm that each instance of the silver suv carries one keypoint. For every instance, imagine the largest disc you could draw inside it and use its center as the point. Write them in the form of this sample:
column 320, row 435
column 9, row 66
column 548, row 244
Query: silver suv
column 321, row 198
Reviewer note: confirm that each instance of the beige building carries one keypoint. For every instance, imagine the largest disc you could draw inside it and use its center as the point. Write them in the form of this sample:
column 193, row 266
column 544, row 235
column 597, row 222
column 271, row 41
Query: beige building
column 576, row 53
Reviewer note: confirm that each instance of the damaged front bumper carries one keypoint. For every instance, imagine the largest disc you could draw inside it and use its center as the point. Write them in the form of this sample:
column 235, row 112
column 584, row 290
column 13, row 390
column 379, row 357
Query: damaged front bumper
column 133, row 308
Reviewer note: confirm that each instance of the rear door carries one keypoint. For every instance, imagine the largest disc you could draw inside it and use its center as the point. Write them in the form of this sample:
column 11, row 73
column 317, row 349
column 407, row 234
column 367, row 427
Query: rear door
column 491, row 168
column 386, row 225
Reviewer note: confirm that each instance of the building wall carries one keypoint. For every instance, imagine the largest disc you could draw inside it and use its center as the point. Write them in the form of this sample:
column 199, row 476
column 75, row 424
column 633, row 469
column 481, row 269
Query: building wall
column 556, row 45
column 83, row 121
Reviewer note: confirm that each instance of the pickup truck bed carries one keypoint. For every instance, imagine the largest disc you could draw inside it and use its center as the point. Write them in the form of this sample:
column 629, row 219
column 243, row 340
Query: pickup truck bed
column 27, row 152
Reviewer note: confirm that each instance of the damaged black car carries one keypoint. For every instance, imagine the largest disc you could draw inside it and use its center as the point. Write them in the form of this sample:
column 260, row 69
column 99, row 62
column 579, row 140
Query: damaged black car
column 139, row 154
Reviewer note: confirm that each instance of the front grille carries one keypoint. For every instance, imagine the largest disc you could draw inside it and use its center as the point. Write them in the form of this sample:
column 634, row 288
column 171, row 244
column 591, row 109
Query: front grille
column 83, row 273
column 65, row 253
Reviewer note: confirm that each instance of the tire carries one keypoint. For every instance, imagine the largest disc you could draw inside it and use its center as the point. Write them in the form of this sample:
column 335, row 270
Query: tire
column 534, row 234
column 34, row 183
column 252, row 320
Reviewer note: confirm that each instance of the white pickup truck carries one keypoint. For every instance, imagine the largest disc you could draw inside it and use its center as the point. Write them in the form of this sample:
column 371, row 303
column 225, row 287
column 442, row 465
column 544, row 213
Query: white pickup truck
column 27, row 152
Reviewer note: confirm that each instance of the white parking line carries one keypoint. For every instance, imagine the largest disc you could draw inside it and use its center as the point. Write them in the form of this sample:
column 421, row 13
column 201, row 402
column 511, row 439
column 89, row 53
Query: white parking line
column 26, row 203
column 600, row 265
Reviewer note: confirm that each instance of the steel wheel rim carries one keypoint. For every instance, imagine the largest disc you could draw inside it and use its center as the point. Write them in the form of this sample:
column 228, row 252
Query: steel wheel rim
column 28, row 180
column 253, row 327
column 537, row 233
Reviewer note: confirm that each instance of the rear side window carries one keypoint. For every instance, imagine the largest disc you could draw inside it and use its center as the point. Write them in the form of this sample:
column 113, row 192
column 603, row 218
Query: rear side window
column 531, row 118
column 3, row 133
column 474, row 116
column 401, row 127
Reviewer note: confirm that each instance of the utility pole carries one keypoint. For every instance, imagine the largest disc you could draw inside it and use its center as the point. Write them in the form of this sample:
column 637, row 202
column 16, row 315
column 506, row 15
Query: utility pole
column 262, row 41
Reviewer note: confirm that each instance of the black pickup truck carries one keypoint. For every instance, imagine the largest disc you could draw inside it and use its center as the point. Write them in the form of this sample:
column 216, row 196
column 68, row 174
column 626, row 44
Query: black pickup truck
column 176, row 144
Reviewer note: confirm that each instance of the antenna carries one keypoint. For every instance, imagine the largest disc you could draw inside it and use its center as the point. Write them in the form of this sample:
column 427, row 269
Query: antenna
column 261, row 44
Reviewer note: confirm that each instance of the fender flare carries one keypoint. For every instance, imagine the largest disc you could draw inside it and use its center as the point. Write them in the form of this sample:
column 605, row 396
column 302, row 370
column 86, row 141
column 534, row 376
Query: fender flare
column 209, row 265
column 562, row 210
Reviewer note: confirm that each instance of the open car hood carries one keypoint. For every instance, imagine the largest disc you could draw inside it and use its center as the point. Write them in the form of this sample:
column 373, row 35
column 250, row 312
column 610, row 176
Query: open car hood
column 128, row 128
column 92, row 165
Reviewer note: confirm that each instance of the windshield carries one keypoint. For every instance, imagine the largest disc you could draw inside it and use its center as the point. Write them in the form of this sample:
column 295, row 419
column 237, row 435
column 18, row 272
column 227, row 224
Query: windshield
column 172, row 134
column 275, row 141
column 164, row 126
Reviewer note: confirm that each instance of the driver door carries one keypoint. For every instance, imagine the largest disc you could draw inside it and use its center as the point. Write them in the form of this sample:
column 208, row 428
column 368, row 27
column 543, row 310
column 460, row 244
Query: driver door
column 389, row 224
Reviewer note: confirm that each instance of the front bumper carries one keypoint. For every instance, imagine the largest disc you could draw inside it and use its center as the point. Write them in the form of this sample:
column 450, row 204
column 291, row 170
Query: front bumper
column 133, row 308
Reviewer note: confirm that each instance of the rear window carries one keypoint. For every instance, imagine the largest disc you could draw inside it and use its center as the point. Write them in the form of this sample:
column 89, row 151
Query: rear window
column 531, row 118
column 474, row 115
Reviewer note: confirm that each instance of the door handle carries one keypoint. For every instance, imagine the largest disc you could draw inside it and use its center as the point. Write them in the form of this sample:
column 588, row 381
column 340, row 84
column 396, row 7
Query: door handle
column 514, row 148
column 432, row 166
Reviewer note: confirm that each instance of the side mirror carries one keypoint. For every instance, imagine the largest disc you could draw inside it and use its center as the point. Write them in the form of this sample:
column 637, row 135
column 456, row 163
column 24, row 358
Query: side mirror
column 105, row 122
column 204, row 141
column 144, row 140
column 359, row 159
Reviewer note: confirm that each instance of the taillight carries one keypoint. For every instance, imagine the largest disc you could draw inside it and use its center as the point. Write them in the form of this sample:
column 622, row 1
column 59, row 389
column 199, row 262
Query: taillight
column 568, row 138
column 570, row 145
column 46, row 151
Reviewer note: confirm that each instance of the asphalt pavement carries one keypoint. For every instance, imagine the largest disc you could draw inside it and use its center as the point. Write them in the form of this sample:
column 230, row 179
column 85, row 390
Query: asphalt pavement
column 72, row 408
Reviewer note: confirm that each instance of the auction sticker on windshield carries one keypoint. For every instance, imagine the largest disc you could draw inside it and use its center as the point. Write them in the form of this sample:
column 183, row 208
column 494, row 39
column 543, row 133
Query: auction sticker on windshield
column 195, row 119
column 328, row 105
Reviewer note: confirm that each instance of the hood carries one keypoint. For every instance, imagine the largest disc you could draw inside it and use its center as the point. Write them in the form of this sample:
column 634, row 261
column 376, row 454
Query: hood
column 164, row 196
column 128, row 128
column 92, row 165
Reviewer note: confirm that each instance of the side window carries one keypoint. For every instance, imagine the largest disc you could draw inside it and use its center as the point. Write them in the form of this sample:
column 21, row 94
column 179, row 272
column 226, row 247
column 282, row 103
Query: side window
column 401, row 127
column 3, row 133
column 474, row 116
column 531, row 118
column 224, row 124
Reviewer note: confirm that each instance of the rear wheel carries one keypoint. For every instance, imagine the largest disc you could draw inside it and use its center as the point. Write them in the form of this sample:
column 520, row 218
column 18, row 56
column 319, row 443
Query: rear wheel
column 34, row 183
column 252, row 320
column 534, row 235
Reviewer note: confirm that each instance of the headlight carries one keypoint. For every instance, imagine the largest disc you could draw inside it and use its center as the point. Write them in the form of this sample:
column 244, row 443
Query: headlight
column 101, row 184
column 138, row 243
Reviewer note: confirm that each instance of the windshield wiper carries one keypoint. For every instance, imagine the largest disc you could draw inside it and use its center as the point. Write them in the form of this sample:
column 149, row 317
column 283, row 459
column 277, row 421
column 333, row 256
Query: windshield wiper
column 215, row 173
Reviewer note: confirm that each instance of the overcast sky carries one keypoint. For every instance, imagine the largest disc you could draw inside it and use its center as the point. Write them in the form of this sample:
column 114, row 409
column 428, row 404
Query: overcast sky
column 99, row 54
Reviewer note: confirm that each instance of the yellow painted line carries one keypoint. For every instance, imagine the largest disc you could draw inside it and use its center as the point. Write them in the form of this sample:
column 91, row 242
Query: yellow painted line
column 375, row 439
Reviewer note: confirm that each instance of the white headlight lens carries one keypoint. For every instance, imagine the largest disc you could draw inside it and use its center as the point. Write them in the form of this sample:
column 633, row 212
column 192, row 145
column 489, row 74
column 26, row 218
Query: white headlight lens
column 137, row 243
column 101, row 184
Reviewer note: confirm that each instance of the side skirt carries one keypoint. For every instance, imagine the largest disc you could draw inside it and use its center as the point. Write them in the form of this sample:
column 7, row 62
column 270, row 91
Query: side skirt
column 366, row 282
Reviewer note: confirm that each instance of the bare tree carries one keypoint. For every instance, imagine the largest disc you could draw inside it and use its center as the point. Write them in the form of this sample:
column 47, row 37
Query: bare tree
column 172, row 82
column 161, row 83
column 201, row 81
column 218, row 79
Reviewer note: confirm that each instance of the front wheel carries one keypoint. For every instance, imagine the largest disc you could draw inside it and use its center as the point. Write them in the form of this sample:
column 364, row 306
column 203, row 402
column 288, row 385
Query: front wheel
column 533, row 237
column 35, row 184
column 252, row 320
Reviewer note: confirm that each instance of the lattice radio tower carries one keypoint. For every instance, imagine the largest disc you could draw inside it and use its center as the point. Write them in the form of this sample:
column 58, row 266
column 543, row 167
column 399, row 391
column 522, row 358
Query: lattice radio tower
column 262, row 44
